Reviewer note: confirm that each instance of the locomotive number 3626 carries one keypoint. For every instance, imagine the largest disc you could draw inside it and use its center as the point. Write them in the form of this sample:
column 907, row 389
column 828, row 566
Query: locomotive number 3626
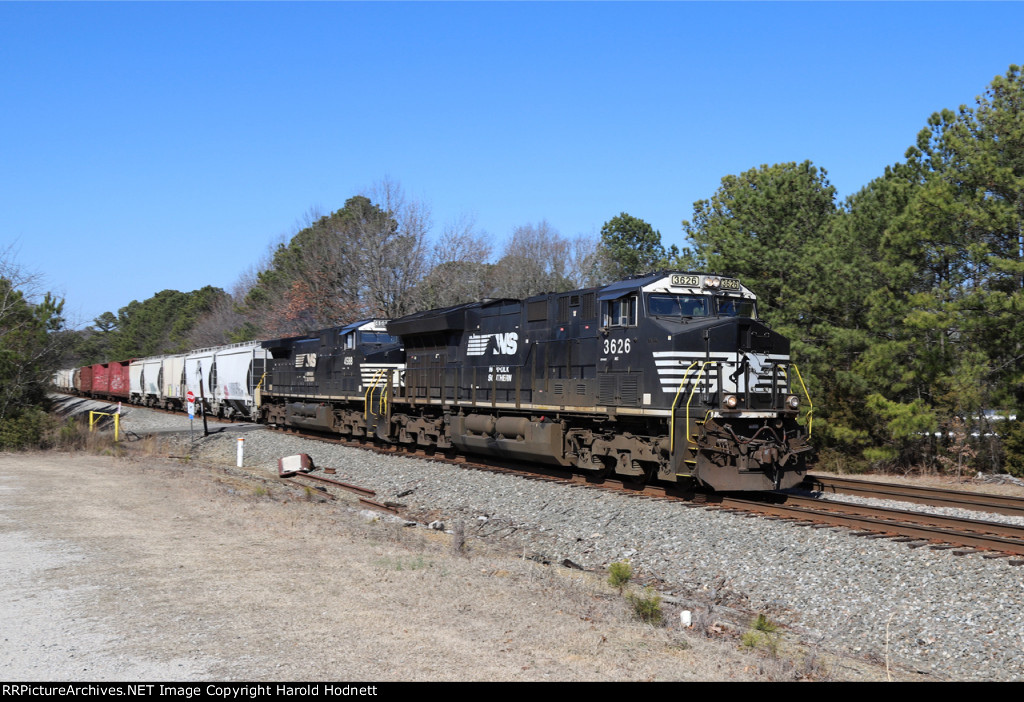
column 617, row 345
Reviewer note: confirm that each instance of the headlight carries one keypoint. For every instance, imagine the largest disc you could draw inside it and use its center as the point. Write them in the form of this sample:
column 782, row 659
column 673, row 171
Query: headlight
column 730, row 401
column 793, row 402
column 712, row 282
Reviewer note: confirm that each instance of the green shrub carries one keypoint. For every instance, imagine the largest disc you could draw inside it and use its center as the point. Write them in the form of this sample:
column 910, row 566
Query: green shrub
column 764, row 633
column 763, row 623
column 647, row 606
column 619, row 574
column 27, row 429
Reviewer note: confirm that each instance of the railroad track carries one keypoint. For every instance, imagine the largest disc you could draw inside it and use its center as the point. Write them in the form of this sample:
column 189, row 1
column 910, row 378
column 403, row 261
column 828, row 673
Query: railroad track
column 933, row 497
column 996, row 540
column 917, row 528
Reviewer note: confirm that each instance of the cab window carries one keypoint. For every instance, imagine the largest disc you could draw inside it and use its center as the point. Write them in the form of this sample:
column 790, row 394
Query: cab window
column 370, row 337
column 621, row 312
column 735, row 307
column 678, row 305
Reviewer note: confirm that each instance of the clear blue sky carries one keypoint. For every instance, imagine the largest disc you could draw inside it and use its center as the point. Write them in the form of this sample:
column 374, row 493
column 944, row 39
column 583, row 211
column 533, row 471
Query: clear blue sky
column 153, row 146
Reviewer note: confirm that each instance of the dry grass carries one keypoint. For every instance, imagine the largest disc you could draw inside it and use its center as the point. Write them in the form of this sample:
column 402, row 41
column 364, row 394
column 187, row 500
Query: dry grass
column 247, row 577
column 311, row 589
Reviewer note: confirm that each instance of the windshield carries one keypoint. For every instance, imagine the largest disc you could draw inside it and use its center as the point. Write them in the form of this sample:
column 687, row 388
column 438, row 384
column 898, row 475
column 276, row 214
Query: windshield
column 678, row 305
column 735, row 307
column 369, row 337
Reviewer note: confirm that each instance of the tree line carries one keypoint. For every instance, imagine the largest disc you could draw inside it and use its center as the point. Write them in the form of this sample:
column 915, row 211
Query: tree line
column 904, row 301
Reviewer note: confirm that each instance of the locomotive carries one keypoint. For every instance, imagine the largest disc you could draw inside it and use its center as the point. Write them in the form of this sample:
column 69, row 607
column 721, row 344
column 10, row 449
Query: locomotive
column 669, row 376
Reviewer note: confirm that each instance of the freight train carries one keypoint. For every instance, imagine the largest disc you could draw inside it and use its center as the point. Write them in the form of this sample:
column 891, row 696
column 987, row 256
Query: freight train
column 666, row 377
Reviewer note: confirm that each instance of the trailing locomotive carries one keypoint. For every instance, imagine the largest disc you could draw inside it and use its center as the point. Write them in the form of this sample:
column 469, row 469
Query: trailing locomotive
column 331, row 380
column 668, row 376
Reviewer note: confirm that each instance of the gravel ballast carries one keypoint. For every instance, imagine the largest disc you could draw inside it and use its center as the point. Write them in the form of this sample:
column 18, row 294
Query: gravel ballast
column 958, row 617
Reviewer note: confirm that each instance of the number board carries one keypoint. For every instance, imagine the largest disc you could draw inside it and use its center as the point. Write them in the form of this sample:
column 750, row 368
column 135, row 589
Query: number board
column 680, row 280
column 686, row 281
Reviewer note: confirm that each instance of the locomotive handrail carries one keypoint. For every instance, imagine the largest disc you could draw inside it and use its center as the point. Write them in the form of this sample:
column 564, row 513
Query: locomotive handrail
column 696, row 383
column 256, row 394
column 371, row 386
column 810, row 419
column 382, row 405
column 672, row 414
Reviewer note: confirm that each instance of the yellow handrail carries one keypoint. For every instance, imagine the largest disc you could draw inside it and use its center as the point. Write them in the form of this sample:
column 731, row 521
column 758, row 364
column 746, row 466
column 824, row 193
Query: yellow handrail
column 696, row 382
column 369, row 389
column 383, row 404
column 672, row 415
column 810, row 419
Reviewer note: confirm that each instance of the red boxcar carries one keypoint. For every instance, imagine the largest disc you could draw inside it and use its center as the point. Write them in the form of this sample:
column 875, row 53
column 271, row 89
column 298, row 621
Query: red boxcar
column 83, row 380
column 100, row 379
column 120, row 383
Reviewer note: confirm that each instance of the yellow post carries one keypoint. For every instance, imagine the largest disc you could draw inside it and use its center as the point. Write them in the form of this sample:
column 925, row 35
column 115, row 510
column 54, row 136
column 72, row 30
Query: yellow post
column 117, row 422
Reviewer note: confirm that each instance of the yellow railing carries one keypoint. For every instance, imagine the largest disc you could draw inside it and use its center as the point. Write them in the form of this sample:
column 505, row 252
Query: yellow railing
column 810, row 412
column 672, row 415
column 115, row 415
column 371, row 386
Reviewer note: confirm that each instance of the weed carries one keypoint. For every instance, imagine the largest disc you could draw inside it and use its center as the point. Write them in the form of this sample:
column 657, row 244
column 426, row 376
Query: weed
column 619, row 574
column 647, row 606
column 763, row 633
column 71, row 435
column 261, row 491
column 399, row 564
column 458, row 539
column 750, row 640
column 763, row 623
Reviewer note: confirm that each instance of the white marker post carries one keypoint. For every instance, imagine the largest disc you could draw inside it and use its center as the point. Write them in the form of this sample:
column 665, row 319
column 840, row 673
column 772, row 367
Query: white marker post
column 191, row 402
column 241, row 450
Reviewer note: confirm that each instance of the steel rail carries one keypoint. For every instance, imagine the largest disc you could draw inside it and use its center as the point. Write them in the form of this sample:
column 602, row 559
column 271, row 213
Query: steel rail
column 938, row 529
column 338, row 484
column 913, row 524
column 936, row 497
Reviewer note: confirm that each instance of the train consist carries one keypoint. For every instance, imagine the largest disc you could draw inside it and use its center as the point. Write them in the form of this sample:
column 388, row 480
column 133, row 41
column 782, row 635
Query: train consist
column 666, row 377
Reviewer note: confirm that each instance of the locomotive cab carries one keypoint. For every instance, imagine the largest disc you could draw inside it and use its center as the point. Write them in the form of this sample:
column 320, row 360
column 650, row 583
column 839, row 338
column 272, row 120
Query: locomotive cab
column 725, row 378
column 330, row 380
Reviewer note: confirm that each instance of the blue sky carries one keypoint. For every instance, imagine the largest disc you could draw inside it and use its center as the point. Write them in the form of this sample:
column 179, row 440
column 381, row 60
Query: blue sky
column 166, row 145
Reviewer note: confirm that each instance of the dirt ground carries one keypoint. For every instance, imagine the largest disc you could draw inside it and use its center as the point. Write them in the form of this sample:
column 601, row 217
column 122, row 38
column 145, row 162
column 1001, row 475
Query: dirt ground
column 147, row 569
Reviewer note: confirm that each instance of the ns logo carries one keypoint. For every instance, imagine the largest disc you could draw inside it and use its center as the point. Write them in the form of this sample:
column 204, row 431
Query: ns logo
column 504, row 344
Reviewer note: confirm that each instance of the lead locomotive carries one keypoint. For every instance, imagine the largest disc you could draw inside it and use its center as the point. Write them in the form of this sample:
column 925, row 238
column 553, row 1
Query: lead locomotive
column 667, row 376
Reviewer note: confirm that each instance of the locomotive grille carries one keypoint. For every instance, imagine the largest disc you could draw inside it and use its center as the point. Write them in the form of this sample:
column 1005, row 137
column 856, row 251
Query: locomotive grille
column 628, row 391
column 589, row 307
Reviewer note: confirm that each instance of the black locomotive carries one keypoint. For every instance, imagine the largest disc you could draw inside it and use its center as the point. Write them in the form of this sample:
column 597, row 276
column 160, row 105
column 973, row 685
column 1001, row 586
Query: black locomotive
column 668, row 376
